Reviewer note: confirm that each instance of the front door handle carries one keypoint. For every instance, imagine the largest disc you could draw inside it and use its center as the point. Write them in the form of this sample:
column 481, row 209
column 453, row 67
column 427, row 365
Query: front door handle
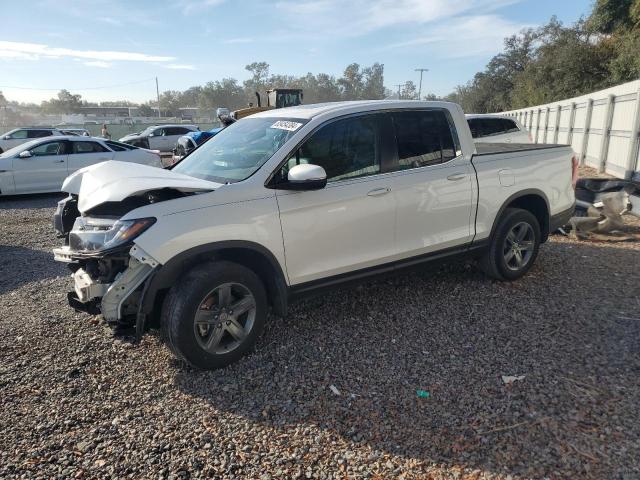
column 58, row 161
column 456, row 176
column 376, row 192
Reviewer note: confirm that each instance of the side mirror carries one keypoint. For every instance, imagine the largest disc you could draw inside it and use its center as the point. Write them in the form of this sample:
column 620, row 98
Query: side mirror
column 6, row 137
column 152, row 134
column 25, row 154
column 305, row 177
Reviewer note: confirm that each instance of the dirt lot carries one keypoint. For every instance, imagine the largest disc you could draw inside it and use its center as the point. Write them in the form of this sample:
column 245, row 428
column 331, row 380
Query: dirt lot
column 77, row 403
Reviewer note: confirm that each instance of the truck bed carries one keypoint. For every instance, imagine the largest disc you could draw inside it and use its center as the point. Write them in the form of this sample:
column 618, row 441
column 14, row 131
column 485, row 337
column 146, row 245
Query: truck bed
column 491, row 148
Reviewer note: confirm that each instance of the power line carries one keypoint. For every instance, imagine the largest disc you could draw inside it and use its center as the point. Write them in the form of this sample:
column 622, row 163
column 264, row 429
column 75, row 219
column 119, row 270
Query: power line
column 79, row 89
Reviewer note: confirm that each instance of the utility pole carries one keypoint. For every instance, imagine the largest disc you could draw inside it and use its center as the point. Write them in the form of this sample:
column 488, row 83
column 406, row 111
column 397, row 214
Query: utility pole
column 158, row 94
column 421, row 70
column 399, row 85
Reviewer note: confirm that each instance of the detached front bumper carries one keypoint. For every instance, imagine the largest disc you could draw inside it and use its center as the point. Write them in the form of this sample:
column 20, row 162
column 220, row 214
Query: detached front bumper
column 115, row 300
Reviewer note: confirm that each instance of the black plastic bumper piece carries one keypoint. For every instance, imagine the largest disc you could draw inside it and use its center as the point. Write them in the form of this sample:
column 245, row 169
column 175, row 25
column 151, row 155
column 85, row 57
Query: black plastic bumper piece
column 90, row 307
column 560, row 219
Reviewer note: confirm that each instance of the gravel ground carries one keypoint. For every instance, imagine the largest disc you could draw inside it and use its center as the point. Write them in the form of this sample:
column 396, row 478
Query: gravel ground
column 78, row 403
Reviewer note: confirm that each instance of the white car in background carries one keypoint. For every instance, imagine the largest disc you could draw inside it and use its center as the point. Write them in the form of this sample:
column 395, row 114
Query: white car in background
column 18, row 136
column 497, row 129
column 159, row 137
column 41, row 165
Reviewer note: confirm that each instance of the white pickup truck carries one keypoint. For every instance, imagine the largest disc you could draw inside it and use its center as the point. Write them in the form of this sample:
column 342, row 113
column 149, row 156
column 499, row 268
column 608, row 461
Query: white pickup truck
column 288, row 201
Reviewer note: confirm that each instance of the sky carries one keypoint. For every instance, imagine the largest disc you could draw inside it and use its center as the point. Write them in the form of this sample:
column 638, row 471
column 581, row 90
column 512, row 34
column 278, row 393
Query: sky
column 113, row 50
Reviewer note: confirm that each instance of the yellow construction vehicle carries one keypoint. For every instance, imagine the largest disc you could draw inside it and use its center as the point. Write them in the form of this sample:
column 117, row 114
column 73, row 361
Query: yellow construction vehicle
column 276, row 98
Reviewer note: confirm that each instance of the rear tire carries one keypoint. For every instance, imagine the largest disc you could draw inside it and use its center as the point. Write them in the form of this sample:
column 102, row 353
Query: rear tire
column 514, row 246
column 214, row 314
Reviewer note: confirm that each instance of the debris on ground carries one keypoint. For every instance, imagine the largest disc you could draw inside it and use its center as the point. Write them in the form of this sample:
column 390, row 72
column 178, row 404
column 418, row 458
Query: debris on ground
column 601, row 207
column 422, row 394
column 334, row 389
column 509, row 379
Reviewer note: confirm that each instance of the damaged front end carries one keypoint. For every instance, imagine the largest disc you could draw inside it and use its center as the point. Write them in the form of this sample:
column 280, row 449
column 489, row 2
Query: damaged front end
column 109, row 271
column 98, row 223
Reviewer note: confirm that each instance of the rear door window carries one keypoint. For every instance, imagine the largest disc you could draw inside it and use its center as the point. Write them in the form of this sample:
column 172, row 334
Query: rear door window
column 423, row 138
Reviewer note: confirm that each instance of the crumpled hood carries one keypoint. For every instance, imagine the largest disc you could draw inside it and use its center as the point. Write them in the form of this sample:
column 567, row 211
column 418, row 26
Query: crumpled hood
column 114, row 181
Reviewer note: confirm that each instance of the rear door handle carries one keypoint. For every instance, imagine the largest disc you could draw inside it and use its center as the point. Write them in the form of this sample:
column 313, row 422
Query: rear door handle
column 58, row 161
column 456, row 176
column 376, row 192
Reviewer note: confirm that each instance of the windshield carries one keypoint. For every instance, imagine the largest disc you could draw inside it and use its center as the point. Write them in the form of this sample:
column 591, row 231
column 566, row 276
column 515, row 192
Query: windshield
column 16, row 150
column 240, row 149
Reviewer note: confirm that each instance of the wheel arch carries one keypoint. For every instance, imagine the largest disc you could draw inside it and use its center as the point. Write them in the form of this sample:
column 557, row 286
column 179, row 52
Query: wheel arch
column 249, row 254
column 532, row 200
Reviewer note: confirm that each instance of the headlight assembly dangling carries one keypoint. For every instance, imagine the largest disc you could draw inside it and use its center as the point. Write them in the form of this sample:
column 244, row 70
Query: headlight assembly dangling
column 94, row 239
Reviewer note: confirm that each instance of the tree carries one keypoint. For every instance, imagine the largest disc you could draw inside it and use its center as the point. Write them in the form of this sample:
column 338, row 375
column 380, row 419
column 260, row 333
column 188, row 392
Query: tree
column 609, row 16
column 170, row 103
column 258, row 81
column 145, row 110
column 568, row 62
column 351, row 85
column 222, row 93
column 409, row 91
column 373, row 88
column 191, row 97
column 65, row 103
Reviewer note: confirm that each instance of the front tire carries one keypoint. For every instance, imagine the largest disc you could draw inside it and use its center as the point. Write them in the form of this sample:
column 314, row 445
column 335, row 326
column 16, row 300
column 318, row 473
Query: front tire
column 514, row 246
column 214, row 314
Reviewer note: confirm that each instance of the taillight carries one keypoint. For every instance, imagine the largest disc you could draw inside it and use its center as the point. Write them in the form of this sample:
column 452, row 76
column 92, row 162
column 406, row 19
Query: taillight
column 574, row 171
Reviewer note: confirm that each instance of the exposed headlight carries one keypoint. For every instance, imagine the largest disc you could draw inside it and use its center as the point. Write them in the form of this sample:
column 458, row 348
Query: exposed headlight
column 93, row 235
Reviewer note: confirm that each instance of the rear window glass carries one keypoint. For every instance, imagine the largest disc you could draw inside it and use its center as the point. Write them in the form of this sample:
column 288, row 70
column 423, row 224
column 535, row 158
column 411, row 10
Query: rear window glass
column 423, row 138
column 483, row 127
column 119, row 147
column 88, row 147
column 509, row 126
column 39, row 133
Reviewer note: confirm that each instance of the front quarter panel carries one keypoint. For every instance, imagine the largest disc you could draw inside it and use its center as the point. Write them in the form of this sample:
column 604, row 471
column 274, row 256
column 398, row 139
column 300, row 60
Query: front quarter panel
column 210, row 218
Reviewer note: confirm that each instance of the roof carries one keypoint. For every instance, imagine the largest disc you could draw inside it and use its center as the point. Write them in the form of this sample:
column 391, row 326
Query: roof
column 314, row 109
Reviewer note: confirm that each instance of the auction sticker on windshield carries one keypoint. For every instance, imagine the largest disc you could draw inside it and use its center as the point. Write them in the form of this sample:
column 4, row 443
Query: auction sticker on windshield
column 285, row 125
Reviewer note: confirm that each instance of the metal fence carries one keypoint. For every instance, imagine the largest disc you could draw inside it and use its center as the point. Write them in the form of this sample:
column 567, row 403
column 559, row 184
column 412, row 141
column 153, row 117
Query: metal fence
column 602, row 127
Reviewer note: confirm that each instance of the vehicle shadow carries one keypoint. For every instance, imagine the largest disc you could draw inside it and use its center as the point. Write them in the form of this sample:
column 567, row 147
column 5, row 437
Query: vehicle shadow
column 568, row 327
column 36, row 200
column 21, row 265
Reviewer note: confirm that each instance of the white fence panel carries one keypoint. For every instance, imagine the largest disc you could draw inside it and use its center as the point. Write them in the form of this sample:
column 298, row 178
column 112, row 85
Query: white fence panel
column 601, row 127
